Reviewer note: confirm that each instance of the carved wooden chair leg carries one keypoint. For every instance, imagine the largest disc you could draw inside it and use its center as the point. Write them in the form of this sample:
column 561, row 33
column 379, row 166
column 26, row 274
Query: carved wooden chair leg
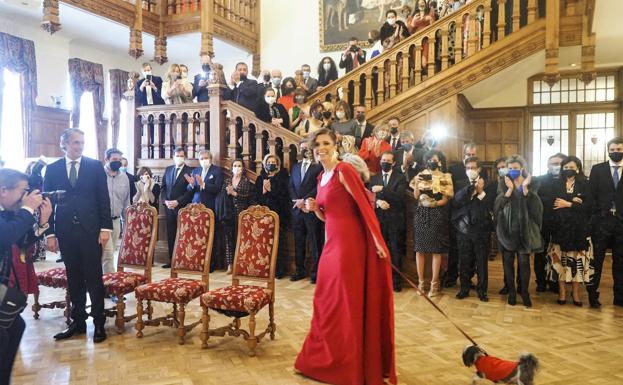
column 252, row 339
column 181, row 329
column 139, row 318
column 271, row 317
column 67, row 312
column 205, row 328
column 150, row 310
column 120, row 319
column 36, row 306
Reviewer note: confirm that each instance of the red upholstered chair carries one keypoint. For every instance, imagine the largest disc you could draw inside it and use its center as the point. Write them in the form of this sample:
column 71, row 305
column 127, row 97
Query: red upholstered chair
column 254, row 261
column 191, row 256
column 54, row 278
column 136, row 252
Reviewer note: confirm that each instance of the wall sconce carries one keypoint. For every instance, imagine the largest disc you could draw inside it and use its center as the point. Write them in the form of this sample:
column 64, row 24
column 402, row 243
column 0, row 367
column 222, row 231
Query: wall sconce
column 550, row 139
column 594, row 139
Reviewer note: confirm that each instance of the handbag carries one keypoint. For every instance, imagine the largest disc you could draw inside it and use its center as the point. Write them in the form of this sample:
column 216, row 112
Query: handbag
column 12, row 299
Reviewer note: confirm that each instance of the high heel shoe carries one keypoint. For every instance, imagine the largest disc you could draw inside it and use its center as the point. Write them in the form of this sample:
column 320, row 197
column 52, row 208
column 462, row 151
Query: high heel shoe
column 229, row 271
column 561, row 301
column 421, row 287
column 434, row 289
column 577, row 303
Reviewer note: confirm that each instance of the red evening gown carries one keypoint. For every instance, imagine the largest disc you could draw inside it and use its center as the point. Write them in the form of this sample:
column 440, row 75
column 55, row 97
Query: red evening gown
column 351, row 339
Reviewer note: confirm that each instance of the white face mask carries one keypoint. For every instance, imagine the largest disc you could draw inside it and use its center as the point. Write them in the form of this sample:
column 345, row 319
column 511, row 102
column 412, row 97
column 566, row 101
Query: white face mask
column 340, row 114
column 391, row 21
column 326, row 66
column 381, row 135
column 472, row 174
column 145, row 178
column 146, row 73
column 306, row 74
column 270, row 100
column 205, row 163
column 276, row 81
column 184, row 75
column 179, row 160
column 236, row 170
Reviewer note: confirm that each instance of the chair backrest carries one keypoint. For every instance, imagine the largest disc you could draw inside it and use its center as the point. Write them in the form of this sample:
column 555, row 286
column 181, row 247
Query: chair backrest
column 256, row 246
column 193, row 241
column 139, row 237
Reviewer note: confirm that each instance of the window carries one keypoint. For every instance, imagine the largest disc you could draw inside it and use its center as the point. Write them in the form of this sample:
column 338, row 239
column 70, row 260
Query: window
column 550, row 135
column 593, row 130
column 11, row 135
column 573, row 90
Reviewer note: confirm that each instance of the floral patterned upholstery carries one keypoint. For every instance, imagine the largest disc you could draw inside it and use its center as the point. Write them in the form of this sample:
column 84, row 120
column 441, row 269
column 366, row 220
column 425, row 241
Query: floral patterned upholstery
column 122, row 282
column 56, row 278
column 257, row 238
column 172, row 290
column 242, row 298
column 137, row 235
column 193, row 234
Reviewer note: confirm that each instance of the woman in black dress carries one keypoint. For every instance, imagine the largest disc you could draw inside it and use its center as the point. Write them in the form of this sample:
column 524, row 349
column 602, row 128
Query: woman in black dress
column 271, row 188
column 570, row 249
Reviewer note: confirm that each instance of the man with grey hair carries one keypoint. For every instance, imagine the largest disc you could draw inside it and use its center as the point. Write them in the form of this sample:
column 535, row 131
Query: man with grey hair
column 81, row 228
column 409, row 159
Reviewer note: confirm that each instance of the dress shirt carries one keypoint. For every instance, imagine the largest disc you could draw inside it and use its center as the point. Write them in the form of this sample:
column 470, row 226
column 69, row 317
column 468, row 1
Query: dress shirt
column 389, row 176
column 68, row 165
column 619, row 170
column 396, row 144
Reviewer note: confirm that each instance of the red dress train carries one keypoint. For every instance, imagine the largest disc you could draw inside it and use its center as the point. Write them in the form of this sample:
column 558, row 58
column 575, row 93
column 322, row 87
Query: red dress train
column 351, row 339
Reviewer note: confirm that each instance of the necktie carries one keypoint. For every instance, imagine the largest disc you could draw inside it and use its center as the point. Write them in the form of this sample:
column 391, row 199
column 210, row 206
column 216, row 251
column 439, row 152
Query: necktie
column 393, row 143
column 73, row 174
column 177, row 172
column 358, row 131
column 615, row 176
column 304, row 170
column 385, row 176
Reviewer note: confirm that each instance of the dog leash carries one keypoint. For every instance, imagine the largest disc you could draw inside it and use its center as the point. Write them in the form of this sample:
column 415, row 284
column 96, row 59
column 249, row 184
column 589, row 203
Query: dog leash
column 413, row 285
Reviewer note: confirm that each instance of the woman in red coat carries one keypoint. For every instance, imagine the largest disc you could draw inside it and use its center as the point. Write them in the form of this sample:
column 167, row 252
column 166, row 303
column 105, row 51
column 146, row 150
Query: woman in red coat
column 351, row 339
column 373, row 147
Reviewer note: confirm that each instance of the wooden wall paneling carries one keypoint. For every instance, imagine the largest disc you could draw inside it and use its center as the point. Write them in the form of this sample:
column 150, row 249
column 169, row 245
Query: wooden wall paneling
column 47, row 125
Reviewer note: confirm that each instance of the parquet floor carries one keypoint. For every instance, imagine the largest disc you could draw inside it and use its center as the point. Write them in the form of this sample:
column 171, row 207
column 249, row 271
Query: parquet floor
column 574, row 345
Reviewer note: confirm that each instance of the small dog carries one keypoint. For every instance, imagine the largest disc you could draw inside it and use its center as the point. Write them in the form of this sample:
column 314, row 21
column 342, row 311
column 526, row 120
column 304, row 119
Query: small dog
column 501, row 371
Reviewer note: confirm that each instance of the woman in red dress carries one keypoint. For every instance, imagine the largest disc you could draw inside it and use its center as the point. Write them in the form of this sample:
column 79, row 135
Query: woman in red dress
column 351, row 339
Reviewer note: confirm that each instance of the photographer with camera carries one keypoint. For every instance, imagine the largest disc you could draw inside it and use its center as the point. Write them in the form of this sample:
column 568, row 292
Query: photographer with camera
column 19, row 229
column 148, row 89
column 353, row 56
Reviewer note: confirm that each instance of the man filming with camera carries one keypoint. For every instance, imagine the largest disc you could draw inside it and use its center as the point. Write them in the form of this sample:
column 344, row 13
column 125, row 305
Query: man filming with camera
column 353, row 56
column 17, row 226
column 81, row 227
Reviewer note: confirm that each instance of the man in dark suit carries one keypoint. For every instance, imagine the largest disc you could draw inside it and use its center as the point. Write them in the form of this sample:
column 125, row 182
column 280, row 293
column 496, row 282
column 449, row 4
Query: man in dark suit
column 607, row 188
column 205, row 181
column 245, row 90
column 390, row 186
column 201, row 82
column 409, row 160
column 311, row 84
column 394, row 131
column 149, row 88
column 81, row 226
column 302, row 185
column 176, row 195
column 17, row 208
column 353, row 56
column 364, row 128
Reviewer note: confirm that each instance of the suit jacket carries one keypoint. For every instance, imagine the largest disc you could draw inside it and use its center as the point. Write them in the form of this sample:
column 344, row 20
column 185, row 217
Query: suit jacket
column 141, row 96
column 472, row 216
column 88, row 202
column 213, row 183
column 604, row 191
column 201, row 93
column 244, row 94
column 176, row 188
column 365, row 133
column 546, row 187
column 311, row 84
column 305, row 188
column 13, row 227
column 348, row 63
column 418, row 158
column 394, row 194
column 459, row 177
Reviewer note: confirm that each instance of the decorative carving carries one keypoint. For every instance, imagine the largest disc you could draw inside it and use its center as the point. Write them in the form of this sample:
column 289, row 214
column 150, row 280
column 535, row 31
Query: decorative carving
column 588, row 76
column 551, row 53
column 136, row 43
column 50, row 22
column 160, row 50
column 551, row 78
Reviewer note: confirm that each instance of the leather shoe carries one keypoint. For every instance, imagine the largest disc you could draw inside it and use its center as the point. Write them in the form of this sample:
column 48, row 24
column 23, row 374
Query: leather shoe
column 74, row 328
column 462, row 294
column 504, row 290
column 512, row 299
column 483, row 297
column 99, row 335
column 297, row 277
column 166, row 266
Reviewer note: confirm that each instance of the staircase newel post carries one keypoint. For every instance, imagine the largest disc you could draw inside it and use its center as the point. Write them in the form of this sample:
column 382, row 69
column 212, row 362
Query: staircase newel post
column 217, row 125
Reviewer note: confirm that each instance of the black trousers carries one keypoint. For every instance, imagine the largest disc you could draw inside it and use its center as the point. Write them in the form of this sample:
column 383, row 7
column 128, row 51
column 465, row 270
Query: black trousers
column 608, row 232
column 473, row 253
column 282, row 255
column 9, row 344
column 540, row 259
column 82, row 255
column 453, row 257
column 523, row 265
column 307, row 227
column 392, row 239
column 171, row 217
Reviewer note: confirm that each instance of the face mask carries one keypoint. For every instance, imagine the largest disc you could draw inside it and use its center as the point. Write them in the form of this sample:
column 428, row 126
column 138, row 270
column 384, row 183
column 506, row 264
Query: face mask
column 317, row 115
column 184, row 75
column 502, row 172
column 174, row 77
column 391, row 21
column 288, row 90
column 432, row 165
column 205, row 67
column 616, row 157
column 361, row 118
column 145, row 178
column 386, row 166
column 146, row 73
column 271, row 167
column 471, row 174
column 380, row 135
column 236, row 170
column 568, row 173
column 179, row 160
column 407, row 147
column 393, row 130
column 205, row 163
column 300, row 99
column 270, row 100
column 243, row 77
column 340, row 114
column 115, row 165
column 266, row 78
column 326, row 114
column 555, row 170
column 123, row 169
column 276, row 82
column 514, row 174
column 306, row 74
column 326, row 66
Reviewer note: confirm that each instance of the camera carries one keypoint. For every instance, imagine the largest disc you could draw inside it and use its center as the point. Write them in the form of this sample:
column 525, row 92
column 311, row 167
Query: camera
column 149, row 77
column 56, row 197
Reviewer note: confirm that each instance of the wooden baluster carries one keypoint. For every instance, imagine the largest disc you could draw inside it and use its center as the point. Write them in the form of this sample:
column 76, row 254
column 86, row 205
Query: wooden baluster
column 444, row 47
column 246, row 149
column 417, row 69
column 177, row 128
column 458, row 41
column 233, row 140
column 201, row 135
column 404, row 78
column 531, row 11
column 190, row 133
column 345, row 91
column 272, row 146
column 145, row 137
column 392, row 78
column 178, row 7
column 471, row 35
column 501, row 18
column 369, row 90
column 171, row 7
column 516, row 15
column 380, row 85
column 157, row 136
column 431, row 57
column 356, row 92
column 286, row 156
column 167, row 138
column 486, row 33
column 259, row 155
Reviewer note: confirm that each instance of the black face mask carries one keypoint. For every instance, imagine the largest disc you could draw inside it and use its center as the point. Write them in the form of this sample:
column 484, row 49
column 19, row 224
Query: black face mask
column 317, row 115
column 243, row 77
column 568, row 173
column 393, row 130
column 266, row 78
column 326, row 114
column 361, row 118
column 115, row 165
column 386, row 166
column 432, row 165
column 205, row 67
column 271, row 167
column 616, row 157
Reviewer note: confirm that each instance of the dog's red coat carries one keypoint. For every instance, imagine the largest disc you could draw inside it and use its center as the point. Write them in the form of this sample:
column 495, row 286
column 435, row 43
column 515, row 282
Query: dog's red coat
column 494, row 368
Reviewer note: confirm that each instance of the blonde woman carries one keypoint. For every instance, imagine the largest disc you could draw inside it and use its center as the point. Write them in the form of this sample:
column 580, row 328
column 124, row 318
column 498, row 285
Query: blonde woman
column 347, row 146
column 373, row 147
column 173, row 89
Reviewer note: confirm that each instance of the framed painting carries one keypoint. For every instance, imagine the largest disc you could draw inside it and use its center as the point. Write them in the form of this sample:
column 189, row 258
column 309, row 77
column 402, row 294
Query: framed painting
column 342, row 19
